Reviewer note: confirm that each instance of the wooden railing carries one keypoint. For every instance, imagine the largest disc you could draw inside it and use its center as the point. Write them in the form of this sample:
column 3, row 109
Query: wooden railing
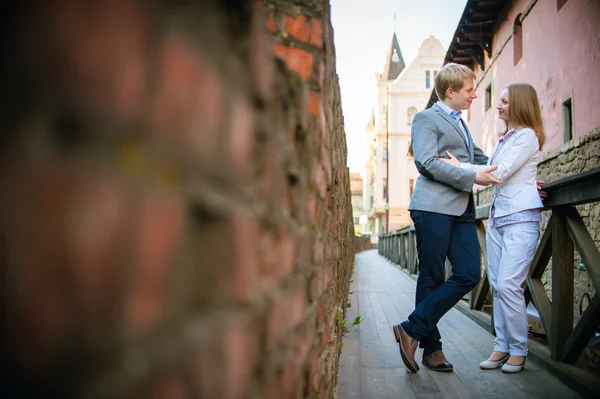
column 565, row 232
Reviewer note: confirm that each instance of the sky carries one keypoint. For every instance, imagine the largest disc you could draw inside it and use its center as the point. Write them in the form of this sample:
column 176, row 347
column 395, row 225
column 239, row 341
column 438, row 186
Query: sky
column 363, row 32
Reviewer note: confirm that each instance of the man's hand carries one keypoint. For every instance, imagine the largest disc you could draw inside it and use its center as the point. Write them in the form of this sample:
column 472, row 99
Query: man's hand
column 542, row 193
column 452, row 161
column 484, row 177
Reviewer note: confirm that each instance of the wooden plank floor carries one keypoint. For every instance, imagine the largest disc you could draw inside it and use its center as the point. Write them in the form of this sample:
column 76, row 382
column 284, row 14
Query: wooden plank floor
column 370, row 364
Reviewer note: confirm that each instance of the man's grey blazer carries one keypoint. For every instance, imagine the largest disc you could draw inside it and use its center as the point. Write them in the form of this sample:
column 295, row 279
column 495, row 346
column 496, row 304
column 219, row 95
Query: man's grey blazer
column 441, row 187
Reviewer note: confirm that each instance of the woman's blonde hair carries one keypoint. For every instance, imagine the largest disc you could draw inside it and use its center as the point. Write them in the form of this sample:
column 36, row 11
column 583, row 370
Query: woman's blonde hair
column 524, row 109
column 452, row 76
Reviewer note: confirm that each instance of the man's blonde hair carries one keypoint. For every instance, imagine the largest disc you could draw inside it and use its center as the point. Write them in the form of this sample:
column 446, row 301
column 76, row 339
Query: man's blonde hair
column 452, row 76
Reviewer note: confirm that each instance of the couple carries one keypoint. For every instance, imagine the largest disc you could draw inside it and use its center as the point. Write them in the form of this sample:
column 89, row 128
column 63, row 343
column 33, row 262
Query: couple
column 442, row 210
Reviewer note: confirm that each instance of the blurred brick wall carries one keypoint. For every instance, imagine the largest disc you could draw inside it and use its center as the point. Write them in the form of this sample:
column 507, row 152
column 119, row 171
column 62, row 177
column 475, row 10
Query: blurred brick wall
column 362, row 244
column 175, row 216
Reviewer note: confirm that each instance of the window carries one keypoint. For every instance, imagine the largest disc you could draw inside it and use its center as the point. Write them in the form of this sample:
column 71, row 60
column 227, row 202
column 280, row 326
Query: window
column 411, row 187
column 518, row 39
column 410, row 114
column 385, row 152
column 356, row 221
column 427, row 79
column 488, row 97
column 560, row 4
column 567, row 111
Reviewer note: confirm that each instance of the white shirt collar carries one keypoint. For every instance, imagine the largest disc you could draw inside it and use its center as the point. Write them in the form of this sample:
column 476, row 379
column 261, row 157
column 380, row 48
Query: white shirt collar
column 447, row 109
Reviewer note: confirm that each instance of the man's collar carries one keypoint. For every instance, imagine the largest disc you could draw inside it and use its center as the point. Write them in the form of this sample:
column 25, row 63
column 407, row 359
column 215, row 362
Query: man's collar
column 447, row 109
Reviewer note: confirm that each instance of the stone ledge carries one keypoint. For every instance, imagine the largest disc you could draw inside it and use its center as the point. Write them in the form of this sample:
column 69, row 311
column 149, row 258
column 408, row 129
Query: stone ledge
column 593, row 135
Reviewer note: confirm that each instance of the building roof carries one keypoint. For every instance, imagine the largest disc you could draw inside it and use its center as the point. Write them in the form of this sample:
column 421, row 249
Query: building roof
column 356, row 183
column 473, row 36
column 394, row 62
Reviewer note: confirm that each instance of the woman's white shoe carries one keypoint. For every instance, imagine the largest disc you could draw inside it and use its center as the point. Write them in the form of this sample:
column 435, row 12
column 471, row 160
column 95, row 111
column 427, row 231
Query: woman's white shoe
column 493, row 364
column 511, row 368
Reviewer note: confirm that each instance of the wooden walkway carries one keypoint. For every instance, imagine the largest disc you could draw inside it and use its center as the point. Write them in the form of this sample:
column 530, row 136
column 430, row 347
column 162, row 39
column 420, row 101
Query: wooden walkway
column 370, row 364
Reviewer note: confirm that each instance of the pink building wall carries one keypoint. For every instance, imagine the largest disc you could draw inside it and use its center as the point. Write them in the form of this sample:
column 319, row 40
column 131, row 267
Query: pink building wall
column 561, row 59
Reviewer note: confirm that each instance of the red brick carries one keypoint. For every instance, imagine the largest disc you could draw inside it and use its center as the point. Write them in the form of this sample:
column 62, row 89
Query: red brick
column 98, row 55
column 319, row 213
column 328, row 276
column 261, row 63
column 311, row 207
column 317, row 286
column 320, row 181
column 168, row 386
column 326, row 162
column 64, row 239
column 315, row 102
column 291, row 374
column 317, row 34
column 285, row 248
column 267, row 258
column 285, row 314
column 321, row 314
column 318, row 252
column 314, row 371
column 306, row 343
column 275, row 388
column 270, row 23
column 188, row 107
column 277, row 325
column 224, row 363
column 241, row 140
column 240, row 343
column 322, row 70
column 244, row 240
column 272, row 178
column 297, row 60
column 159, row 229
column 277, row 255
column 97, row 238
column 305, row 29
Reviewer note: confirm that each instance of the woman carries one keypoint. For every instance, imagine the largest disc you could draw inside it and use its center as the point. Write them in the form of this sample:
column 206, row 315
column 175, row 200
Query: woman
column 513, row 226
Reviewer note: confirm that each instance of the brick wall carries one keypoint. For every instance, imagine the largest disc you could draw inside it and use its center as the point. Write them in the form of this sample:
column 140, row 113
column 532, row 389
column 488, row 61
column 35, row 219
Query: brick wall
column 362, row 244
column 175, row 219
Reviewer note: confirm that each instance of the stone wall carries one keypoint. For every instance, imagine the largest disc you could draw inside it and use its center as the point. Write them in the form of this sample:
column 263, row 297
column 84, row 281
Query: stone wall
column 175, row 219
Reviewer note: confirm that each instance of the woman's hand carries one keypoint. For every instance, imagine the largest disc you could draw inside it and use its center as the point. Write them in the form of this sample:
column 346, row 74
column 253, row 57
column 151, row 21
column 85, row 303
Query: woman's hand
column 539, row 184
column 452, row 161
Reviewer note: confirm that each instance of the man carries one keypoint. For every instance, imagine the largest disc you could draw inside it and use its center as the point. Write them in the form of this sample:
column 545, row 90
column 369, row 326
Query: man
column 443, row 214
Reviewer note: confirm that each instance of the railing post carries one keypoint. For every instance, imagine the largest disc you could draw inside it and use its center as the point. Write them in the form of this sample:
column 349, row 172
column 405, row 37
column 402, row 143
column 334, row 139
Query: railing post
column 562, row 286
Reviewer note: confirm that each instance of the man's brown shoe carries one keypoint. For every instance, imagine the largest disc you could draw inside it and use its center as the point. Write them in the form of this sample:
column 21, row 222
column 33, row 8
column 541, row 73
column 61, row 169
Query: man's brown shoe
column 408, row 347
column 437, row 361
